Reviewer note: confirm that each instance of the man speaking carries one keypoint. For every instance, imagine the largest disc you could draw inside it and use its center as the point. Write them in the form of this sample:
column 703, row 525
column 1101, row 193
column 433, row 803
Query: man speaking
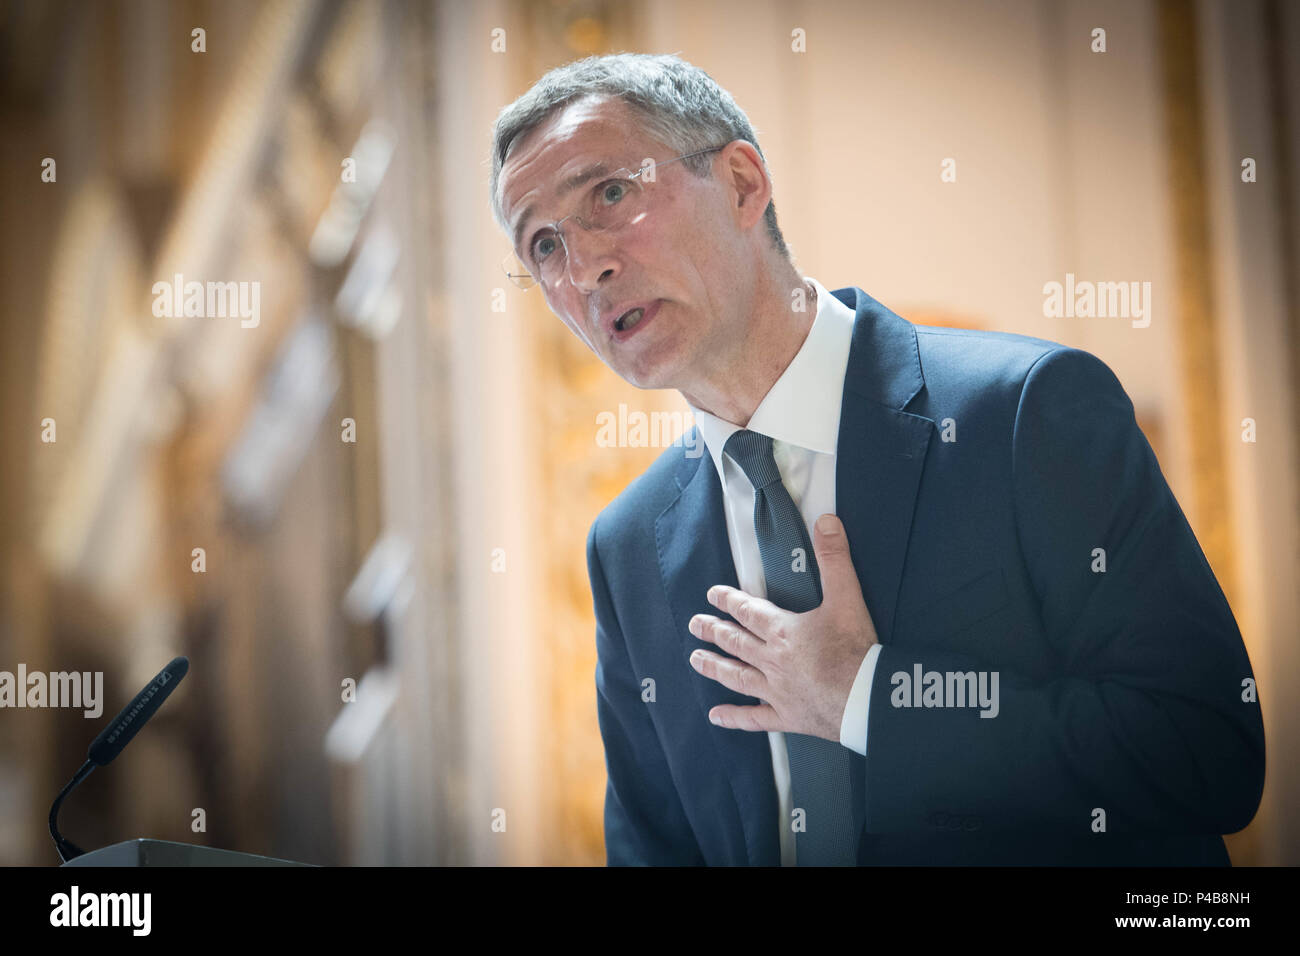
column 928, row 598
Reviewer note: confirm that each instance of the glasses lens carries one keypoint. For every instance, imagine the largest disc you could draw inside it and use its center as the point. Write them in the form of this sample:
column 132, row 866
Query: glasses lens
column 615, row 202
column 612, row 204
column 516, row 272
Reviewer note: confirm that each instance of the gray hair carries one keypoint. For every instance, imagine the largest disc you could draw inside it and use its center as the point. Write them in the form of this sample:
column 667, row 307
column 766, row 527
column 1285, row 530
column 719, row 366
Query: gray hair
column 680, row 105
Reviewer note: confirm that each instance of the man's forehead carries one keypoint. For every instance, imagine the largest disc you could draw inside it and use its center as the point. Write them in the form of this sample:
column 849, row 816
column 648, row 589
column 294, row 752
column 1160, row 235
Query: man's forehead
column 589, row 120
column 581, row 133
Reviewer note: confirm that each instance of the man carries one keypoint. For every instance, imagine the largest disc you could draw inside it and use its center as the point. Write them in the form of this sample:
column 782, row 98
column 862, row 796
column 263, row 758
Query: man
column 927, row 599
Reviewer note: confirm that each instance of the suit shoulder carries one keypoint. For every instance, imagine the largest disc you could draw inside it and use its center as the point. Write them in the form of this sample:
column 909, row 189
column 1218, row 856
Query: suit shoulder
column 974, row 351
column 967, row 370
column 637, row 506
column 980, row 359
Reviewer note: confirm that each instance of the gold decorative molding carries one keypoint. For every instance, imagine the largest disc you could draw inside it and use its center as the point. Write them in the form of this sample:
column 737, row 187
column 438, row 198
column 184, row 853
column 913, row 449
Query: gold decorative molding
column 1209, row 512
column 572, row 386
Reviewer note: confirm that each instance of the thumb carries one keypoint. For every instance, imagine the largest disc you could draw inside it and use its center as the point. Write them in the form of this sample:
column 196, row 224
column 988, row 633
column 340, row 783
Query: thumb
column 834, row 562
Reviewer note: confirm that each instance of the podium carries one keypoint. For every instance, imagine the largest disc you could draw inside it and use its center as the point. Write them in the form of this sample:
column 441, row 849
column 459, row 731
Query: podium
column 141, row 852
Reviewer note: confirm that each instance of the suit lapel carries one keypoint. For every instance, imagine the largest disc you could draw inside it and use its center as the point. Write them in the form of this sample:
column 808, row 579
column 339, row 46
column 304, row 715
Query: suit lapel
column 880, row 452
column 694, row 555
column 879, row 457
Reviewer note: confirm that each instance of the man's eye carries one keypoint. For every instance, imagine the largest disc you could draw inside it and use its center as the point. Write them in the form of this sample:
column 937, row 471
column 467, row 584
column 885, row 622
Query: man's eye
column 613, row 191
column 543, row 246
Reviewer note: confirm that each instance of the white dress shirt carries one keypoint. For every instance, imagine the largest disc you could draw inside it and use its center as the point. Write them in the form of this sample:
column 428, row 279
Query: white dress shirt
column 801, row 414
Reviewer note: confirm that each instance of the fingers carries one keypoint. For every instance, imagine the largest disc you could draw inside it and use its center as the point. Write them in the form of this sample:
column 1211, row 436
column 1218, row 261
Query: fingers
column 734, row 717
column 840, row 584
column 730, row 673
column 732, row 638
column 755, row 614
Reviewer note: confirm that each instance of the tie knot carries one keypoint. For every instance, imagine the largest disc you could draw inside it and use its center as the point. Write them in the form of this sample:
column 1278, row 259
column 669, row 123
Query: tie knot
column 753, row 453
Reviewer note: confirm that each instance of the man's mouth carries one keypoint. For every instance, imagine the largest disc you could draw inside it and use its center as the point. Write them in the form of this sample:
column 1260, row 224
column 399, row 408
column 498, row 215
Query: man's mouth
column 628, row 320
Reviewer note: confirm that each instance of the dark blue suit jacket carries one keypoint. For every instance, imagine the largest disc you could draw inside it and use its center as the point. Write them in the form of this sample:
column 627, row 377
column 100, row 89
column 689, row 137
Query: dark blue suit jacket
column 1120, row 690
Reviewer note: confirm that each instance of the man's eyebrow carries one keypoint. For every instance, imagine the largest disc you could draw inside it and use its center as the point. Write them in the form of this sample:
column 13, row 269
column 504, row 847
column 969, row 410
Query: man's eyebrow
column 568, row 186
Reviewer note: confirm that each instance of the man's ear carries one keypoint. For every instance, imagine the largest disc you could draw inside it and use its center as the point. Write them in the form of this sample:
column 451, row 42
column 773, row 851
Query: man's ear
column 748, row 184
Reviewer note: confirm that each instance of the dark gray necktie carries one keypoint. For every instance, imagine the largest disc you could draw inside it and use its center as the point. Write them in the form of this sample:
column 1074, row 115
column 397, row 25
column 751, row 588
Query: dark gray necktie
column 820, row 769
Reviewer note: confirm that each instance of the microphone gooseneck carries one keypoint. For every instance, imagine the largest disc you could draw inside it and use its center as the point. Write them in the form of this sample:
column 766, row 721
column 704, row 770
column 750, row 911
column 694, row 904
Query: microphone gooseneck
column 114, row 738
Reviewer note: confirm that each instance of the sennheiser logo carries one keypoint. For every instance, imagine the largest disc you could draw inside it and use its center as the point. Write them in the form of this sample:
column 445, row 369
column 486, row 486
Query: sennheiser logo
column 102, row 909
column 129, row 719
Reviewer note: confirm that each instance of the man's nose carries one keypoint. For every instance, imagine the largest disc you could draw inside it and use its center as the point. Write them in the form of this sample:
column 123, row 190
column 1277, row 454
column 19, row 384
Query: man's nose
column 590, row 256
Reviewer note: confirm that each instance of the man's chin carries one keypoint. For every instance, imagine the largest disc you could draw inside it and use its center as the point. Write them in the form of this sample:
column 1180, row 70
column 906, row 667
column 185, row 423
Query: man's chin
column 648, row 379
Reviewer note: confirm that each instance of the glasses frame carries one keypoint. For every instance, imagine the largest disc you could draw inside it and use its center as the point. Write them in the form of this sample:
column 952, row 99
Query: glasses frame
column 526, row 280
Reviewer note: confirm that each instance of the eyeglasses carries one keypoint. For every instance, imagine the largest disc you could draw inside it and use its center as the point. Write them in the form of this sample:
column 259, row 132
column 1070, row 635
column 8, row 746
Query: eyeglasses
column 614, row 202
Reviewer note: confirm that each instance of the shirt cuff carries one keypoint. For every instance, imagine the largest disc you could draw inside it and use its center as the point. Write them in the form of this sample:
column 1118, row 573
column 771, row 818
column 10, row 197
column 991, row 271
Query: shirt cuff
column 853, row 725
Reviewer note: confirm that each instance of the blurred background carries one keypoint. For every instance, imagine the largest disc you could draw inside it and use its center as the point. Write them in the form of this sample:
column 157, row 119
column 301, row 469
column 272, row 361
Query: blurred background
column 387, row 479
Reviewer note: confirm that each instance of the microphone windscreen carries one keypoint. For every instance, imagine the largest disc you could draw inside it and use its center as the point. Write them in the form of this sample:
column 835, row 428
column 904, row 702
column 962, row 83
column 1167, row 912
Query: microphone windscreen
column 134, row 715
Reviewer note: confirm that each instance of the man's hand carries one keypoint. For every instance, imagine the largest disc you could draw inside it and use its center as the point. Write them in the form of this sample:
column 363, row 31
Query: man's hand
column 801, row 666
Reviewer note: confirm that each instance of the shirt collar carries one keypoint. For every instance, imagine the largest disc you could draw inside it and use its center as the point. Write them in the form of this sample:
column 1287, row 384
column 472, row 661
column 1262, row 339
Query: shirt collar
column 803, row 406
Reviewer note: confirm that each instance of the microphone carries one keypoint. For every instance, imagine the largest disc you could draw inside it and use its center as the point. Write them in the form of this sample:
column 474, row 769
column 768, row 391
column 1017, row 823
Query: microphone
column 114, row 738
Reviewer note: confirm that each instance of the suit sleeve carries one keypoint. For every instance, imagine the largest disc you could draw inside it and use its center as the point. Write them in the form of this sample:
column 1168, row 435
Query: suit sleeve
column 1146, row 718
column 645, row 824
